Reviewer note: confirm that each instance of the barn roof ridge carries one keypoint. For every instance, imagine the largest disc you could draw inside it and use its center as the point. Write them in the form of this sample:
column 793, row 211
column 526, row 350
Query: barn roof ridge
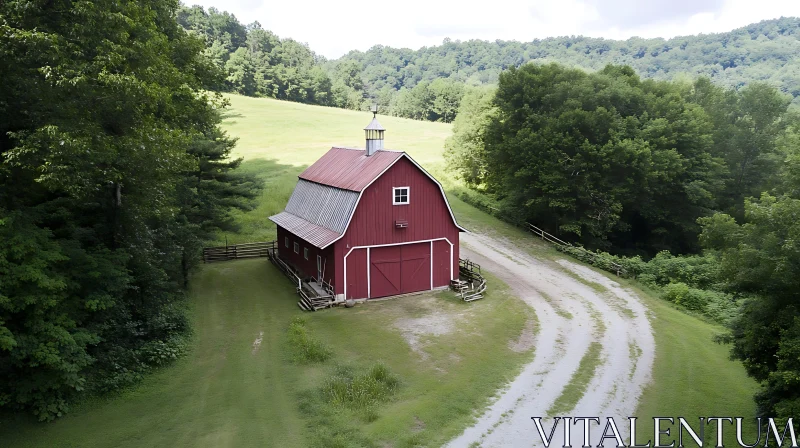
column 349, row 169
column 355, row 148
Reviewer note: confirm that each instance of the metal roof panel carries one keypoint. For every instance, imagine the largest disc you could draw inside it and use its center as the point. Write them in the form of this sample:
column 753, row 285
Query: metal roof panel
column 322, row 205
column 348, row 168
column 315, row 234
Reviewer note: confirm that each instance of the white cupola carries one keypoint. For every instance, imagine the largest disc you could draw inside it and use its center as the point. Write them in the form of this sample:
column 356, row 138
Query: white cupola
column 374, row 133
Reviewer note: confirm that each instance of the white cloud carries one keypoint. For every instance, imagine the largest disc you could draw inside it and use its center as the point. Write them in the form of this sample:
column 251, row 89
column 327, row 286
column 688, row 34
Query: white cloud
column 332, row 28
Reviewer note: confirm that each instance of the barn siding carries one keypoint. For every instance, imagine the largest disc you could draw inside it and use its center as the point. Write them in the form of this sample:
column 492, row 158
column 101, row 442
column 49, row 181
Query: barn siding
column 307, row 267
column 373, row 221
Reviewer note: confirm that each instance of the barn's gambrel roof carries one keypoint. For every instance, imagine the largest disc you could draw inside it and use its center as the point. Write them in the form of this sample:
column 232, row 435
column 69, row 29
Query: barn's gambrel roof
column 327, row 193
column 350, row 168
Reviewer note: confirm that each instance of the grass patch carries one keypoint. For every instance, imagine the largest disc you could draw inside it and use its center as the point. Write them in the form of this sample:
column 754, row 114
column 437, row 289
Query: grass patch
column 559, row 309
column 360, row 392
column 634, row 352
column 564, row 313
column 577, row 385
column 594, row 286
column 304, row 347
column 692, row 375
column 348, row 398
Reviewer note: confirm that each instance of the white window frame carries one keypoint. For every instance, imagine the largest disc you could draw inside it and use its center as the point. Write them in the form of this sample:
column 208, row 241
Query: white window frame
column 296, row 247
column 394, row 195
column 286, row 241
column 305, row 253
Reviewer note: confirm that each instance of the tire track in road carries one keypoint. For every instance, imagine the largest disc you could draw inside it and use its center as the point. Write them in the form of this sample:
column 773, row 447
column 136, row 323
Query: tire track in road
column 551, row 289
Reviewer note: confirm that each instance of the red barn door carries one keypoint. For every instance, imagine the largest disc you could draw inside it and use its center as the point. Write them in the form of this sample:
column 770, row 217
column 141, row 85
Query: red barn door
column 381, row 271
column 415, row 269
column 385, row 271
column 399, row 269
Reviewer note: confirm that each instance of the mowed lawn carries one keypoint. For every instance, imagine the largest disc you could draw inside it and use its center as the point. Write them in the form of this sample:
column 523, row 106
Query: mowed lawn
column 228, row 393
column 232, row 391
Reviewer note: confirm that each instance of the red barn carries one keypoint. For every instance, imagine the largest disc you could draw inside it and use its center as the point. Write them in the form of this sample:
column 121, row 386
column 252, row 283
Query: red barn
column 372, row 223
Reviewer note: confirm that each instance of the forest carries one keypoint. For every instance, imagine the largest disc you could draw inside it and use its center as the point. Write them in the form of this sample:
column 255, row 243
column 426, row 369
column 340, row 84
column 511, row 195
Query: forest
column 691, row 187
column 428, row 83
column 113, row 173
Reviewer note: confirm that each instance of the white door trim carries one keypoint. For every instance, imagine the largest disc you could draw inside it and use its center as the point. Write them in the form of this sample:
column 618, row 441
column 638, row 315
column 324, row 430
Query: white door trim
column 431, row 241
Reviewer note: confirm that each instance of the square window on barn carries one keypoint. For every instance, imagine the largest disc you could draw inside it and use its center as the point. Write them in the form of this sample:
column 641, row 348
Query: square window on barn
column 400, row 195
column 305, row 253
column 286, row 241
column 297, row 248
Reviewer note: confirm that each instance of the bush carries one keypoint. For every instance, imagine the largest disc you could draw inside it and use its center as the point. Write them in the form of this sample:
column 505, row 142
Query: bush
column 159, row 353
column 697, row 271
column 674, row 292
column 722, row 308
column 681, row 294
column 304, row 347
column 631, row 266
column 718, row 306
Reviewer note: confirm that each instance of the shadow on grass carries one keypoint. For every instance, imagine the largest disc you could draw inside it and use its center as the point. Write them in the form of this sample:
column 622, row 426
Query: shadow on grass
column 278, row 183
column 230, row 114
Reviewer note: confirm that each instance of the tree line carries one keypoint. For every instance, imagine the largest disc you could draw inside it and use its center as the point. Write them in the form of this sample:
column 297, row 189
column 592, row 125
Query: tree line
column 428, row 83
column 113, row 173
column 256, row 62
column 692, row 187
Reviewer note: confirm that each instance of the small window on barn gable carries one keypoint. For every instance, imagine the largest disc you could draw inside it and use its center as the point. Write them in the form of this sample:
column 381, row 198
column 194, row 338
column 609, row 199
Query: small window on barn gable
column 305, row 253
column 297, row 248
column 286, row 241
column 400, row 195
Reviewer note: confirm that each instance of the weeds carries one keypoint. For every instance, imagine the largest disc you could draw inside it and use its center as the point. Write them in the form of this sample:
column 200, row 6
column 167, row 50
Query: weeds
column 304, row 347
column 360, row 391
column 347, row 395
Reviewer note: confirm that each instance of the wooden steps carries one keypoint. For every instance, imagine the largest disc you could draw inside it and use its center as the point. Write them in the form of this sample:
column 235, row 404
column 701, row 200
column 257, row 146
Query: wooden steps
column 312, row 303
column 470, row 284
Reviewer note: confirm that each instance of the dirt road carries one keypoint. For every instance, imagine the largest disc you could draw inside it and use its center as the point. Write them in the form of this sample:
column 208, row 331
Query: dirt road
column 575, row 307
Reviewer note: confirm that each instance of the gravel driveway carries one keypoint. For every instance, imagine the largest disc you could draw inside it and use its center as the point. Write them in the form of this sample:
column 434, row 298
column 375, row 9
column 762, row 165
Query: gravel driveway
column 575, row 307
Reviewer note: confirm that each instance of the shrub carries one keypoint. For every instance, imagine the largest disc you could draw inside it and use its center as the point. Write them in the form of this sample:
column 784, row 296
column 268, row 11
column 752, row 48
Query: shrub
column 159, row 353
column 697, row 271
column 304, row 347
column 631, row 266
column 690, row 298
column 716, row 305
column 674, row 292
column 722, row 308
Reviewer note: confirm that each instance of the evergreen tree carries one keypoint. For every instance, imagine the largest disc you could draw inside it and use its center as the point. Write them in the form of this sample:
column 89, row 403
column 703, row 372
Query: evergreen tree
column 112, row 171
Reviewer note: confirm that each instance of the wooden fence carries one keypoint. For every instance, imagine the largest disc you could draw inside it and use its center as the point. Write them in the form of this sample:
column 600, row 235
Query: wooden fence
column 233, row 252
column 594, row 258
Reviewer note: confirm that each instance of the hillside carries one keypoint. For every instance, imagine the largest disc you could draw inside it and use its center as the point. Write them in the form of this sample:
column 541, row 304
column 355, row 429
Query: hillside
column 766, row 51
column 256, row 62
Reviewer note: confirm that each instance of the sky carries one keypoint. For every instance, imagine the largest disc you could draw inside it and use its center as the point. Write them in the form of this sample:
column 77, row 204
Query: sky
column 332, row 28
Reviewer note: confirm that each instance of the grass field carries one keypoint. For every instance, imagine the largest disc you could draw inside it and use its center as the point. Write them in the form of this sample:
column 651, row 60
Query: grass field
column 228, row 392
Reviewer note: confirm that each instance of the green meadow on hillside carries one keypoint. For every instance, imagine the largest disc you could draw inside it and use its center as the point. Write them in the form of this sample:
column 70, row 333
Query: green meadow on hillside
column 240, row 386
